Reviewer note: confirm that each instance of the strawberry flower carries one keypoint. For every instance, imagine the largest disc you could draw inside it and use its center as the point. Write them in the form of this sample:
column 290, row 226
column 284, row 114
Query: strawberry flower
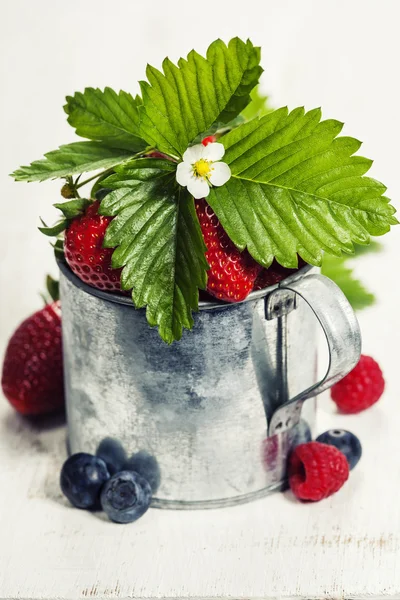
column 201, row 168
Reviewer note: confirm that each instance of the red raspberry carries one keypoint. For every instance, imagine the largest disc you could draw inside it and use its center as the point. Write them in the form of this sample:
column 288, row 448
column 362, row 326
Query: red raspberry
column 316, row 471
column 361, row 388
column 85, row 254
column 232, row 273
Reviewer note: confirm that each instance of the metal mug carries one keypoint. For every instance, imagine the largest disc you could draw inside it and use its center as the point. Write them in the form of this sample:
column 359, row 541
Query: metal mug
column 220, row 409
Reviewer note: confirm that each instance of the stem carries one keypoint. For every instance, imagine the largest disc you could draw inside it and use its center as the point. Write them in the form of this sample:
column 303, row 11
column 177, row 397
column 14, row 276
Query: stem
column 93, row 177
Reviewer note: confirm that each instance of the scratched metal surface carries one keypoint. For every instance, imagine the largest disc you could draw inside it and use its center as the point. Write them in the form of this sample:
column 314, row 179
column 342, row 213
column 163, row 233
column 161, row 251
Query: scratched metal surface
column 201, row 407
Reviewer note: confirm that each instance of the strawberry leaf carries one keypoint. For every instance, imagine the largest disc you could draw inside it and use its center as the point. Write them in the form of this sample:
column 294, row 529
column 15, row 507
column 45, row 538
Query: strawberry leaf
column 53, row 288
column 258, row 107
column 78, row 157
column 107, row 117
column 296, row 188
column 54, row 230
column 336, row 269
column 159, row 245
column 72, row 208
column 185, row 100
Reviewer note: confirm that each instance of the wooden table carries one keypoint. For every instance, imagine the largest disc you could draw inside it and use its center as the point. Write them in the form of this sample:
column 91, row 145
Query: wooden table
column 345, row 547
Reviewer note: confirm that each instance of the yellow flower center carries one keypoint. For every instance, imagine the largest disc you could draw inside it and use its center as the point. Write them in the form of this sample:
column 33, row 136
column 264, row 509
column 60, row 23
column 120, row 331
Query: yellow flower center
column 202, row 168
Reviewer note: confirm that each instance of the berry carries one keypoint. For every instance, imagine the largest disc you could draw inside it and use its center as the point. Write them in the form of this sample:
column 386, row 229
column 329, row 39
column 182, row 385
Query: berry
column 82, row 477
column 67, row 191
column 345, row 441
column 210, row 139
column 126, row 497
column 316, row 471
column 274, row 274
column 232, row 273
column 84, row 250
column 32, row 378
column 361, row 388
column 147, row 466
column 113, row 454
column 300, row 433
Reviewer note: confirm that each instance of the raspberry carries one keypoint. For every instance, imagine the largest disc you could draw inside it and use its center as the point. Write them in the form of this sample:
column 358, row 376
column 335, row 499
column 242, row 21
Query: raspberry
column 361, row 388
column 316, row 471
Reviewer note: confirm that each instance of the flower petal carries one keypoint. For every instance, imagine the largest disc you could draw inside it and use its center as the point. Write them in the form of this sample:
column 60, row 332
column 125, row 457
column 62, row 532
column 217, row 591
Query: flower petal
column 183, row 173
column 198, row 187
column 193, row 153
column 213, row 151
column 220, row 173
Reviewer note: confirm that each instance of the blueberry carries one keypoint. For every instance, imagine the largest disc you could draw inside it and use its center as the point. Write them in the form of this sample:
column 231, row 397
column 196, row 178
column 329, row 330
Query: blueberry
column 126, row 497
column 147, row 466
column 345, row 441
column 113, row 454
column 81, row 480
column 301, row 433
column 102, row 193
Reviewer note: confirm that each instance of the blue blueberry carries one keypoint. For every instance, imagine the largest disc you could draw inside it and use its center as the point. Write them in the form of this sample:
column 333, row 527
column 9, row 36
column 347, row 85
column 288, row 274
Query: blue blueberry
column 113, row 454
column 301, row 433
column 147, row 466
column 82, row 477
column 126, row 497
column 345, row 441
column 102, row 193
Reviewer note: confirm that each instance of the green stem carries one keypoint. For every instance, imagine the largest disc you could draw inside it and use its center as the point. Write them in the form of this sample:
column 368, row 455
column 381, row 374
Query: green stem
column 93, row 177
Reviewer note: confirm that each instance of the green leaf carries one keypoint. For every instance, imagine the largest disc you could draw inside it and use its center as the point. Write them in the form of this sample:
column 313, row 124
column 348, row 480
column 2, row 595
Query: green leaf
column 59, row 249
column 53, row 288
column 159, row 245
column 218, row 56
column 73, row 208
column 78, row 157
column 373, row 247
column 336, row 269
column 296, row 188
column 107, row 117
column 55, row 229
column 258, row 107
column 185, row 100
column 140, row 169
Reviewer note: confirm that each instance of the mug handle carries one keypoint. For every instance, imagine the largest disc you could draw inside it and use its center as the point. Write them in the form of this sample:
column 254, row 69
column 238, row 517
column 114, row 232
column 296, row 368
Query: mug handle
column 341, row 330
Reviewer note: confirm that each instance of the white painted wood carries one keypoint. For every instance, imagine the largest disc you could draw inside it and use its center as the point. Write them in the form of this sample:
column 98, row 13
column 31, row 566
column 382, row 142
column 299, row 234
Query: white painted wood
column 341, row 55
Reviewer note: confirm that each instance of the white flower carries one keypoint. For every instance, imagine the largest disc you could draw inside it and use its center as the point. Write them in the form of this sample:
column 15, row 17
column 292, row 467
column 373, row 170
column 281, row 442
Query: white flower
column 201, row 168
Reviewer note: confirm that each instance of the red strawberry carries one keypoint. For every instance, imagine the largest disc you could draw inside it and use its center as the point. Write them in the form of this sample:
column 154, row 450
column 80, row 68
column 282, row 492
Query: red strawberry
column 232, row 273
column 274, row 274
column 361, row 388
column 32, row 377
column 84, row 252
column 316, row 471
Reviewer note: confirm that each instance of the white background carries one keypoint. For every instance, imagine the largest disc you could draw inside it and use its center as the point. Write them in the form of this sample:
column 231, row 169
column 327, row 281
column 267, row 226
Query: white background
column 342, row 55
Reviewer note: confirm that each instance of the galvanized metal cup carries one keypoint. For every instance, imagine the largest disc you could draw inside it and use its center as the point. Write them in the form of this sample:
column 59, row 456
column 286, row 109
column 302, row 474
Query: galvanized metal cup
column 219, row 410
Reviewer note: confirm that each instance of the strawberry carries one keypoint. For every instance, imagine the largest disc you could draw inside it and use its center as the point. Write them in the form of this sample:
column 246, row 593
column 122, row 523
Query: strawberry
column 232, row 273
column 274, row 274
column 84, row 252
column 32, row 378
